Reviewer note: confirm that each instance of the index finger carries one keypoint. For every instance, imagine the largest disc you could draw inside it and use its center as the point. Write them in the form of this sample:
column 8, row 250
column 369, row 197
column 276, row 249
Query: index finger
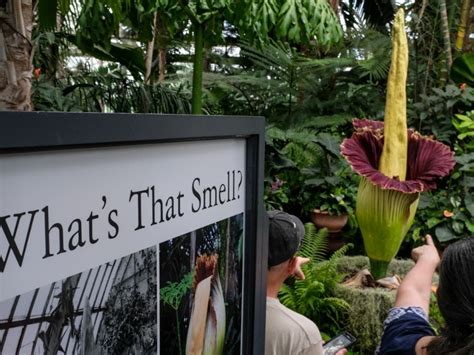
column 429, row 240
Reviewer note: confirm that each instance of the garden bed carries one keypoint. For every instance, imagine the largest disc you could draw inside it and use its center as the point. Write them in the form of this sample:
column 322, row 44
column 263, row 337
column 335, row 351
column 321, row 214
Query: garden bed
column 369, row 306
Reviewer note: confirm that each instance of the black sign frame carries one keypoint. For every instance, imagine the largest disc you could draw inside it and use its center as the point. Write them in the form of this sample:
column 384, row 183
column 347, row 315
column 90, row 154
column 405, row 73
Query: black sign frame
column 36, row 131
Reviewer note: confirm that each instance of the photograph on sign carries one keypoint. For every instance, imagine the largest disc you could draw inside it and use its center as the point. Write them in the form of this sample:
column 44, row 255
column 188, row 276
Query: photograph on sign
column 201, row 289
column 109, row 309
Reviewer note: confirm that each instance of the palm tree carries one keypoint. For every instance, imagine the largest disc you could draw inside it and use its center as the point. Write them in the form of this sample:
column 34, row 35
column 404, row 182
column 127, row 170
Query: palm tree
column 376, row 13
column 16, row 21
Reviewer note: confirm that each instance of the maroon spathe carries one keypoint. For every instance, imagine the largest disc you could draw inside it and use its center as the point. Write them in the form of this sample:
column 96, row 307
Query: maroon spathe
column 427, row 159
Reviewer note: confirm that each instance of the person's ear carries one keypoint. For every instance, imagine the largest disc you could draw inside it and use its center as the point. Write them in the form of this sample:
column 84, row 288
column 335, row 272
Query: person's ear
column 291, row 265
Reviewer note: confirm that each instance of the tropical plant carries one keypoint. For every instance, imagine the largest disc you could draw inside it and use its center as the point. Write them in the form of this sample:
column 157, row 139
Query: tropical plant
column 15, row 53
column 281, row 75
column 288, row 153
column 448, row 212
column 464, row 124
column 462, row 70
column 172, row 295
column 373, row 12
column 394, row 169
column 334, row 194
column 298, row 22
column 302, row 163
column 108, row 89
column 463, row 201
column 432, row 115
column 443, row 214
column 313, row 296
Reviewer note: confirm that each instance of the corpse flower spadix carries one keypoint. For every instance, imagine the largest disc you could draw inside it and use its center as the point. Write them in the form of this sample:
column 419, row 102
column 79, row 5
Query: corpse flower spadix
column 396, row 165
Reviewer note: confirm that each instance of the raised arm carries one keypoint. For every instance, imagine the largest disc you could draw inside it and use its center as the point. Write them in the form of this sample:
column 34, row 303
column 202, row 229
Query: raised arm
column 415, row 289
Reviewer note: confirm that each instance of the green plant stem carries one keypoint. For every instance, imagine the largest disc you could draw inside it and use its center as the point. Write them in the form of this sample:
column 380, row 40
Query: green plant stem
column 290, row 96
column 378, row 268
column 178, row 332
column 198, row 68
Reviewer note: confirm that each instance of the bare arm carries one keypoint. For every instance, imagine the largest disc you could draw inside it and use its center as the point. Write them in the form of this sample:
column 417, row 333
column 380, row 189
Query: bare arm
column 415, row 289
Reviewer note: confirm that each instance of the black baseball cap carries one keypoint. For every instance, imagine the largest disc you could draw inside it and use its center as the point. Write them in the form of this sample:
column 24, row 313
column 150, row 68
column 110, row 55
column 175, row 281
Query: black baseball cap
column 285, row 235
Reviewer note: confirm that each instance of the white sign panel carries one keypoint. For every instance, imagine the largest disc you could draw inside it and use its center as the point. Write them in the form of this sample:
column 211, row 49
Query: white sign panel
column 62, row 212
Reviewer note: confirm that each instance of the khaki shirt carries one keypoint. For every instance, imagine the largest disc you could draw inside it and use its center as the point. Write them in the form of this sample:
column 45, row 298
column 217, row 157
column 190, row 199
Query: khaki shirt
column 288, row 332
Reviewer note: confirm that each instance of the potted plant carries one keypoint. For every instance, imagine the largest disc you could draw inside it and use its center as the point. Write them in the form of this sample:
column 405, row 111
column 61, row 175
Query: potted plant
column 330, row 199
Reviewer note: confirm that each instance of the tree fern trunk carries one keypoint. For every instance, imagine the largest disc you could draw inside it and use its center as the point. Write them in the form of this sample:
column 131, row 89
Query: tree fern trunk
column 198, row 68
column 446, row 42
column 162, row 64
column 466, row 5
column 15, row 56
column 149, row 51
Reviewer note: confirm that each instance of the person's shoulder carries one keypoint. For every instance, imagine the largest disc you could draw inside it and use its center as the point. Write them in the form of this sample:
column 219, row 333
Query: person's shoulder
column 293, row 319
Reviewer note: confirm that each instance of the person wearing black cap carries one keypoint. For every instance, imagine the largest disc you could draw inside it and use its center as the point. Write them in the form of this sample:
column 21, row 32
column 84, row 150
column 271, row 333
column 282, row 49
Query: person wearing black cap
column 287, row 332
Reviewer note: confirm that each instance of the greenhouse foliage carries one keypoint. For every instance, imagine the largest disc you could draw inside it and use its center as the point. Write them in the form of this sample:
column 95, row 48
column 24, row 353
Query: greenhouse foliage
column 310, row 67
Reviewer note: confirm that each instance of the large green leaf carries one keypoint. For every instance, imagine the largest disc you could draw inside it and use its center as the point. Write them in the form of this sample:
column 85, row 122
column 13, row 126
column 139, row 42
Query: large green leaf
column 462, row 70
column 469, row 202
column 330, row 143
column 47, row 12
column 131, row 57
column 444, row 233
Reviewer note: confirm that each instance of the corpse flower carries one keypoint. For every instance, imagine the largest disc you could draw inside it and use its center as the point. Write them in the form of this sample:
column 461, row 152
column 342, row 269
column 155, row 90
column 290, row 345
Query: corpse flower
column 395, row 164
column 206, row 332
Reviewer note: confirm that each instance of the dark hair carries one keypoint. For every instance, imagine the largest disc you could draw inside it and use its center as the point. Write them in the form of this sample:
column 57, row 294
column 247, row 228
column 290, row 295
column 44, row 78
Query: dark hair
column 456, row 300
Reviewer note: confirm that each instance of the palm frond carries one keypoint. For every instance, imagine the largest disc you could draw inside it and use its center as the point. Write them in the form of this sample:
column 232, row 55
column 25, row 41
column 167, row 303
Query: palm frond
column 373, row 50
column 281, row 60
column 378, row 13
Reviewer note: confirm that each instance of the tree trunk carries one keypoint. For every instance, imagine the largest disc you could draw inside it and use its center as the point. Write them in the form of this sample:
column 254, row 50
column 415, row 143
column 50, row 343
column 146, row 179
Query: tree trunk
column 162, row 64
column 446, row 41
column 198, row 68
column 15, row 55
column 149, row 51
column 162, row 45
column 466, row 6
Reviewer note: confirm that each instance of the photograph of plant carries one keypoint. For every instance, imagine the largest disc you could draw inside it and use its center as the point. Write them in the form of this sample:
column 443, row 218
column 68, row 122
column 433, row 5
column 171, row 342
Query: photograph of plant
column 201, row 290
column 108, row 309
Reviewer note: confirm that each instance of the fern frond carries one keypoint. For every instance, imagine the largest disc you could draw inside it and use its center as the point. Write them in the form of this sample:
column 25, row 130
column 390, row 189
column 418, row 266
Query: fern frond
column 340, row 253
column 315, row 243
column 314, row 296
